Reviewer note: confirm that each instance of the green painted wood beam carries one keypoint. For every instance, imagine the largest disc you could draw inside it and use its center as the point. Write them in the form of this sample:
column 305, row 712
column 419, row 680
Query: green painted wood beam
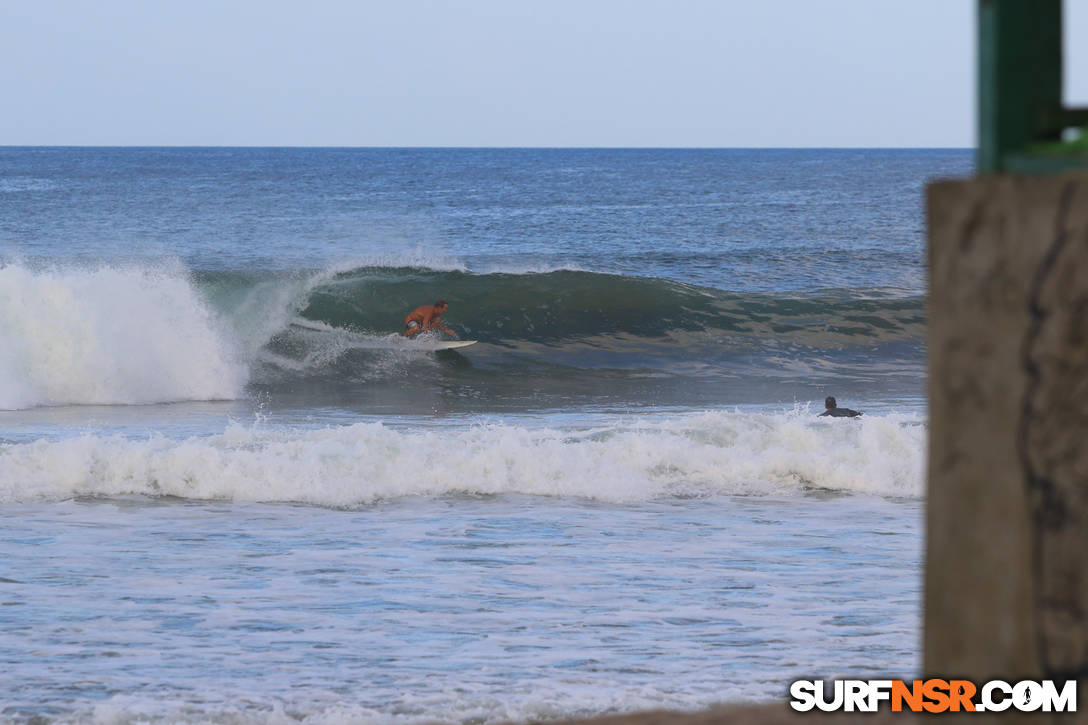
column 1020, row 78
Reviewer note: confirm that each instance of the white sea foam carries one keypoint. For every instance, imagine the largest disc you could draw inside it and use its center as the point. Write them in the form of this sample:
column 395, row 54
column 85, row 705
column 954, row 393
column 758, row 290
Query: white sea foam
column 708, row 454
column 131, row 334
column 538, row 702
column 110, row 335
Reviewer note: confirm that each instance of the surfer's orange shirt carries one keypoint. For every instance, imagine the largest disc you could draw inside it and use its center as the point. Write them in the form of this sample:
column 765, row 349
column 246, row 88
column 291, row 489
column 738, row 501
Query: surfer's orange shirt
column 423, row 314
column 426, row 317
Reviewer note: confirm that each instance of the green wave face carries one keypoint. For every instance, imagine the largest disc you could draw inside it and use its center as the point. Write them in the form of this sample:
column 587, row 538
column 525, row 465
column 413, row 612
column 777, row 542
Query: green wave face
column 566, row 306
column 559, row 338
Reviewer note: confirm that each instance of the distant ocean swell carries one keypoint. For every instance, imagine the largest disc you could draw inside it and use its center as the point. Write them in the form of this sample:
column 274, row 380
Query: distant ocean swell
column 716, row 453
column 132, row 334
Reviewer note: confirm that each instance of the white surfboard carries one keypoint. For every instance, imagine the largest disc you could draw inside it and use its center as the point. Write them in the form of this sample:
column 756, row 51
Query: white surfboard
column 451, row 344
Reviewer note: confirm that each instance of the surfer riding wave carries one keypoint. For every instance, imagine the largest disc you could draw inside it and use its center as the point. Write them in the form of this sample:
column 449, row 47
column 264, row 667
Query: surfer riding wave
column 425, row 318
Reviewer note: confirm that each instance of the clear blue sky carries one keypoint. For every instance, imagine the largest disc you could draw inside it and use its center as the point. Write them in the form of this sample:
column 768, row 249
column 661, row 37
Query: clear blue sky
column 488, row 72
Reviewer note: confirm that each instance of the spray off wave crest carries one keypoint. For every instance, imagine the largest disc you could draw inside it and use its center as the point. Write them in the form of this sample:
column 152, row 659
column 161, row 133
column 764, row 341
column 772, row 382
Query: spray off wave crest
column 110, row 335
column 709, row 454
column 135, row 334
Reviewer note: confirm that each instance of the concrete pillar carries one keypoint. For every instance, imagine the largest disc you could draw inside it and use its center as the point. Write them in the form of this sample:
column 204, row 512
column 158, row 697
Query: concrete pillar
column 1007, row 541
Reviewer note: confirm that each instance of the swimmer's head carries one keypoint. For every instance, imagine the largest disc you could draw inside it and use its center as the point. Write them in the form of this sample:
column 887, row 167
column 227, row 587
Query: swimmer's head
column 830, row 402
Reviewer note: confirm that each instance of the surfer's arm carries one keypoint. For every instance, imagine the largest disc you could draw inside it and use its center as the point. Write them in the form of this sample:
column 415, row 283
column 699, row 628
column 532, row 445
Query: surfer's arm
column 435, row 321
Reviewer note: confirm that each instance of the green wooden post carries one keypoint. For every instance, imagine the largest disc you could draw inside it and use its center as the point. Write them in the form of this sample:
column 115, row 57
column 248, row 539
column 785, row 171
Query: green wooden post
column 1020, row 79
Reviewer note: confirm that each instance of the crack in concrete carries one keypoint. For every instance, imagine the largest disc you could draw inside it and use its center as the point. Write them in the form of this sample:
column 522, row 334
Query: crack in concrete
column 1051, row 463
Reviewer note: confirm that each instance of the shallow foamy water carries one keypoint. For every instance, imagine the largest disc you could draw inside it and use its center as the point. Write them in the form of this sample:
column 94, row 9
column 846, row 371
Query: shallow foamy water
column 455, row 608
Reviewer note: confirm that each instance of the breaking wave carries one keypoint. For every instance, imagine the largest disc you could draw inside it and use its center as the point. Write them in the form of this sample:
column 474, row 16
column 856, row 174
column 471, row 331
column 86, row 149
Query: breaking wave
column 160, row 333
column 715, row 453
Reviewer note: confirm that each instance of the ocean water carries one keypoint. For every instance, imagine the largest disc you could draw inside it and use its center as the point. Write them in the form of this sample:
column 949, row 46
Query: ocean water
column 231, row 493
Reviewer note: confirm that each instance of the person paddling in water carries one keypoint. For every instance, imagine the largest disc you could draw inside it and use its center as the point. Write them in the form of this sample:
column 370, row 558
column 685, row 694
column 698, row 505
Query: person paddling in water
column 427, row 317
column 835, row 411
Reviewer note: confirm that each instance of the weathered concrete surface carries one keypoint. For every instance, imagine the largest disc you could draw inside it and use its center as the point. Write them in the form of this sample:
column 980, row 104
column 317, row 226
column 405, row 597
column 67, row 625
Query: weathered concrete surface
column 1007, row 546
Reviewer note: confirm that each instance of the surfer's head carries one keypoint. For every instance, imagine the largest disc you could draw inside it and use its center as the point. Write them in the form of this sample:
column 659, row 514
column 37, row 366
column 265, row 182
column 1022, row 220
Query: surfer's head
column 440, row 306
column 830, row 403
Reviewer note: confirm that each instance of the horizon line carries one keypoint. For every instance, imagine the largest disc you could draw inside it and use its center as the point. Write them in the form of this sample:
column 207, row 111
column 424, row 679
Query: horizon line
column 491, row 148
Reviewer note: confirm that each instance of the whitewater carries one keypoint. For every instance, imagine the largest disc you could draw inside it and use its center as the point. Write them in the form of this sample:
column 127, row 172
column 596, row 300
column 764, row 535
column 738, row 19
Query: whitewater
column 230, row 492
column 641, row 459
